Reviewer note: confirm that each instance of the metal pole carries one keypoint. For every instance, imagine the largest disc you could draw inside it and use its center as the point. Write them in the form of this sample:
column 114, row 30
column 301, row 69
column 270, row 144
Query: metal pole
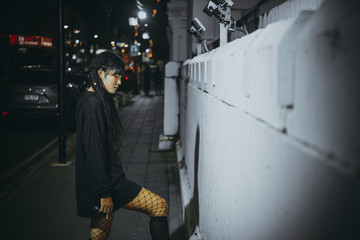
column 61, row 107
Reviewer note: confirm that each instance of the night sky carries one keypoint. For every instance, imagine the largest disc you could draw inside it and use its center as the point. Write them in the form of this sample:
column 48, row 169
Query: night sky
column 107, row 18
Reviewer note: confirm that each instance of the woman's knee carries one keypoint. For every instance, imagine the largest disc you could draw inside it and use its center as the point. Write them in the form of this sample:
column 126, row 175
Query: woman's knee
column 162, row 209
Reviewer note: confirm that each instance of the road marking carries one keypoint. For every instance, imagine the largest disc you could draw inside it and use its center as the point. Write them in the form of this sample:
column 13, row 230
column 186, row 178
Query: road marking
column 29, row 159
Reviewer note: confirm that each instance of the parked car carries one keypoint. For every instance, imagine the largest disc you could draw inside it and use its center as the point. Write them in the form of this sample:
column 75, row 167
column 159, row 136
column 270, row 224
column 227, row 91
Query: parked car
column 32, row 92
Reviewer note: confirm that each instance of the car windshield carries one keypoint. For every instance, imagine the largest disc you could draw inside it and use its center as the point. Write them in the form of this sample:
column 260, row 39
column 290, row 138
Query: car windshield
column 34, row 76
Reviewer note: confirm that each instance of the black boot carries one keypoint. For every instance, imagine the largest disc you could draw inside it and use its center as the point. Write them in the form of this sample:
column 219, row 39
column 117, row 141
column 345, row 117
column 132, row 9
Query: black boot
column 159, row 228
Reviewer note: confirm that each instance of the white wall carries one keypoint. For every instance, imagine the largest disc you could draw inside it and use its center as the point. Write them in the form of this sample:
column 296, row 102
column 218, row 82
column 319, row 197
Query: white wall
column 177, row 30
column 270, row 134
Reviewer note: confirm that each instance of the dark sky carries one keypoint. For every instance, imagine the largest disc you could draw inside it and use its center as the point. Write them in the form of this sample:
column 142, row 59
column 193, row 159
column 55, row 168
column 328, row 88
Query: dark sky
column 108, row 18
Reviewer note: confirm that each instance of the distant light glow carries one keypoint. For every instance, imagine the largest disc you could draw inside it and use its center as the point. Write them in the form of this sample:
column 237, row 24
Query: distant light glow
column 126, row 45
column 77, row 31
column 100, row 51
column 96, row 36
column 142, row 15
column 66, row 26
column 139, row 53
column 147, row 50
column 146, row 25
column 74, row 56
column 77, row 41
column 4, row 113
column 133, row 21
column 145, row 35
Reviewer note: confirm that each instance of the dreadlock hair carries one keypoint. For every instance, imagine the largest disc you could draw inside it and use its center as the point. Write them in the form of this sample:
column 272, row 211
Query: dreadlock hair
column 110, row 63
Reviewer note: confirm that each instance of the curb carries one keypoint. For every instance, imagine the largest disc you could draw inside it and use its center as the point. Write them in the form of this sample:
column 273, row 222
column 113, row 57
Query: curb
column 27, row 161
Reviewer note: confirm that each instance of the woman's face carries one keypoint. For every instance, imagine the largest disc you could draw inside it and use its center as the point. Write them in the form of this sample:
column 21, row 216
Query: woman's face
column 110, row 80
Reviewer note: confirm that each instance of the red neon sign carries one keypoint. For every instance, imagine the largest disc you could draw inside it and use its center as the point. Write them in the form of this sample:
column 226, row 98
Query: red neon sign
column 30, row 40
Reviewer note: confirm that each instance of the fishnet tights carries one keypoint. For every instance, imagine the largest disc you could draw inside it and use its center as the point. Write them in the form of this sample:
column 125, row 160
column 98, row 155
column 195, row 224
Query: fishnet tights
column 100, row 227
column 146, row 202
column 149, row 203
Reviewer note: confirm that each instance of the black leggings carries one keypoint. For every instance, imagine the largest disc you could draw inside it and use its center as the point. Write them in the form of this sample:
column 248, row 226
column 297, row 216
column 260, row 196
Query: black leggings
column 146, row 202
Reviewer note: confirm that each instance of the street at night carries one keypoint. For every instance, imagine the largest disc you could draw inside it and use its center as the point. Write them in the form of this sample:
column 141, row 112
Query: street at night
column 21, row 141
column 180, row 120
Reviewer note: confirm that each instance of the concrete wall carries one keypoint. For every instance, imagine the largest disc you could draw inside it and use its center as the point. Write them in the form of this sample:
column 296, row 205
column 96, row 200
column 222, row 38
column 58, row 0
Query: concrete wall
column 177, row 30
column 269, row 126
column 287, row 10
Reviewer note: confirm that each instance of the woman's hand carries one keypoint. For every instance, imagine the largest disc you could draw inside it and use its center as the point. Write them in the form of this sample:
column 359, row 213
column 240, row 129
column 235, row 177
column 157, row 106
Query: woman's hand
column 106, row 205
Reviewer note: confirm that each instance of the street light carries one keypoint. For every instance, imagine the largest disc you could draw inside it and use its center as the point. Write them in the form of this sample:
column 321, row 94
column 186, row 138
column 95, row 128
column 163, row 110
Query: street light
column 133, row 21
column 96, row 36
column 145, row 35
column 142, row 15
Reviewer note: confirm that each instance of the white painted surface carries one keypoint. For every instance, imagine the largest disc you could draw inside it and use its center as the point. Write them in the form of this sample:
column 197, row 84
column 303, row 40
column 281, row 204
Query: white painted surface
column 177, row 31
column 288, row 10
column 270, row 133
column 171, row 99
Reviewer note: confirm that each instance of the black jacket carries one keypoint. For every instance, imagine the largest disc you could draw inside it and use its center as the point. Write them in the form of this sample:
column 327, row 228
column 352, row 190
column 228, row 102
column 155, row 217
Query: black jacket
column 99, row 172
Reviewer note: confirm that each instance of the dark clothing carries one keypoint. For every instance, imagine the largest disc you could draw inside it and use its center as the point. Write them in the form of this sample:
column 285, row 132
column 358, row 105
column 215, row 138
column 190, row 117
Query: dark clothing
column 147, row 79
column 99, row 172
column 157, row 78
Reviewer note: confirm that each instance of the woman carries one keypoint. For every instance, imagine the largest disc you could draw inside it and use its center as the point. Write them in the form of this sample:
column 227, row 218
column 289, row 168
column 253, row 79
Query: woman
column 101, row 185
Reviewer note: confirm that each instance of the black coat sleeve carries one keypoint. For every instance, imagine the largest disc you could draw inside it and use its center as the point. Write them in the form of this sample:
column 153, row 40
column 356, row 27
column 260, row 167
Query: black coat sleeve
column 96, row 149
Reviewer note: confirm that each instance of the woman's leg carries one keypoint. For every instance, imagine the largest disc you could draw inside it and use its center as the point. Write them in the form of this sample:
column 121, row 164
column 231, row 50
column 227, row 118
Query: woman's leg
column 100, row 227
column 156, row 207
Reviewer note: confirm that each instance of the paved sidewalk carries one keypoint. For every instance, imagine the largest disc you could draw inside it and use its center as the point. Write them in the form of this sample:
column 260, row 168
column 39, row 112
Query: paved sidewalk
column 41, row 203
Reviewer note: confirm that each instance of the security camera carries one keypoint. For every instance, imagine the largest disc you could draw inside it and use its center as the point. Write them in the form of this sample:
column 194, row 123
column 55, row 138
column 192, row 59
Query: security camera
column 197, row 29
column 198, row 25
column 221, row 10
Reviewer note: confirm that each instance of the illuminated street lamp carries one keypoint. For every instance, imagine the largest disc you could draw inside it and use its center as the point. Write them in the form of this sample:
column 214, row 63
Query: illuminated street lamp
column 142, row 15
column 133, row 21
column 96, row 36
column 145, row 35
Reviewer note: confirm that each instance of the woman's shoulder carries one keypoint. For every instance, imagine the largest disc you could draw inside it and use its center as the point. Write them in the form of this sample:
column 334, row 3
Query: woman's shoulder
column 88, row 100
column 88, row 97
